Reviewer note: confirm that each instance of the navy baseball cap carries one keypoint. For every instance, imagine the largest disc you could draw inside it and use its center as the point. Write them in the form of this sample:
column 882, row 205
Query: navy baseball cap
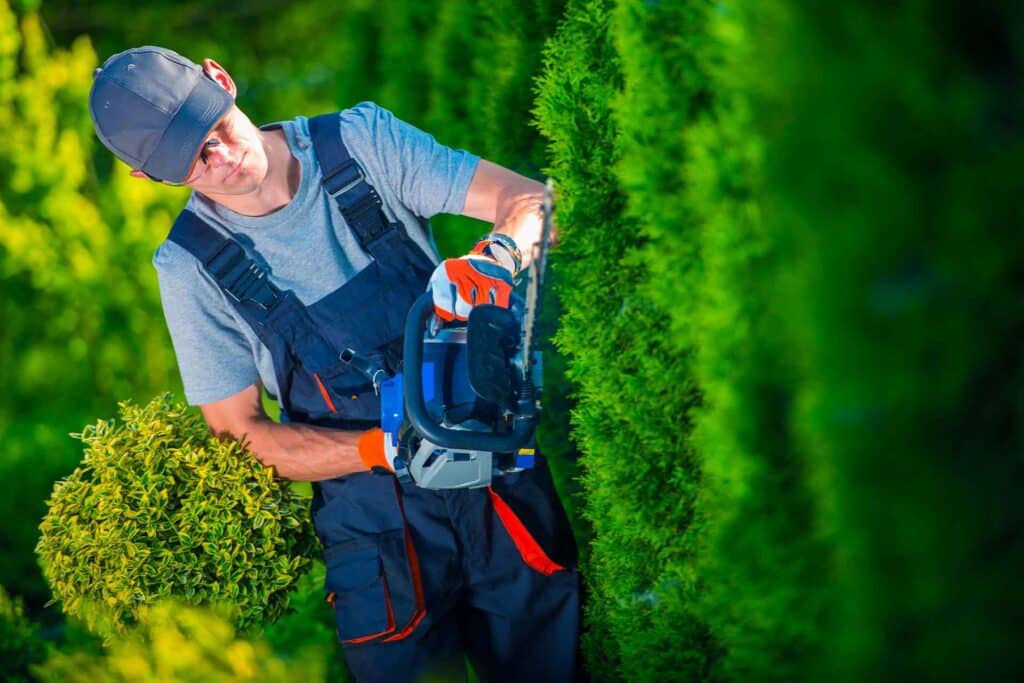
column 153, row 108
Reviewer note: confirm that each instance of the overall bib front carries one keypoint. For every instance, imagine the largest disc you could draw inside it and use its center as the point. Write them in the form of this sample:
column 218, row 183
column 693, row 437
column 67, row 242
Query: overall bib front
column 417, row 578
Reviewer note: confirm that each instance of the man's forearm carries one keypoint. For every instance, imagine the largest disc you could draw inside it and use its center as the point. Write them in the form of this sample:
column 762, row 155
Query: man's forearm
column 512, row 202
column 520, row 216
column 304, row 452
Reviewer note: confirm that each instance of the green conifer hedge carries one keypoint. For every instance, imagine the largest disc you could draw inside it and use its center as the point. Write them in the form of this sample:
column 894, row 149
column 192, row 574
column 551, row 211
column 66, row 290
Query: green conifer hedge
column 762, row 564
column 894, row 195
column 633, row 392
column 817, row 201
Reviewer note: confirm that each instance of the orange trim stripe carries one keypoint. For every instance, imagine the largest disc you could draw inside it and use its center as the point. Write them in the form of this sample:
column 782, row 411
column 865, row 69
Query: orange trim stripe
column 533, row 555
column 417, row 579
column 391, row 621
column 323, row 392
column 404, row 633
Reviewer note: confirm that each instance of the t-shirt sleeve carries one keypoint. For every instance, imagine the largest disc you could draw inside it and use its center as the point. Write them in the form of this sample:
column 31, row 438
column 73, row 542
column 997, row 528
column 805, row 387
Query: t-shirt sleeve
column 426, row 176
column 214, row 358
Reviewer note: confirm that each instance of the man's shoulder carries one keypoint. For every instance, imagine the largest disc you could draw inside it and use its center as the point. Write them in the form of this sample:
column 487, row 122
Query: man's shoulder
column 172, row 259
column 367, row 110
column 364, row 108
column 367, row 118
column 170, row 255
column 181, row 276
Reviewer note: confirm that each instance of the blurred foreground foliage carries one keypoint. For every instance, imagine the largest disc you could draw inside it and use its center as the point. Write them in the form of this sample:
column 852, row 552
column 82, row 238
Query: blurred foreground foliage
column 20, row 646
column 177, row 643
column 160, row 507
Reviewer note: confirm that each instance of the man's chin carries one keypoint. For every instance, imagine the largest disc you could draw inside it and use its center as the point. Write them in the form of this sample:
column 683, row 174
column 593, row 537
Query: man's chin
column 249, row 179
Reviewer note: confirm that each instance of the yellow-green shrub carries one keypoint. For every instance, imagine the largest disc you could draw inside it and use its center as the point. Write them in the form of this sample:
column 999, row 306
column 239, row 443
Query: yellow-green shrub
column 178, row 644
column 159, row 507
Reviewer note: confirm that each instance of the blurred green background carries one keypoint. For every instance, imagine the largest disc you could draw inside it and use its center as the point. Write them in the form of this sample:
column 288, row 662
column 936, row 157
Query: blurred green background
column 789, row 299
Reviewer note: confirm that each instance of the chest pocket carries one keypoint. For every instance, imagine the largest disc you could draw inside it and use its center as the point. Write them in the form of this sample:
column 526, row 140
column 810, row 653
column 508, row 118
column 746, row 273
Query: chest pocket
column 365, row 316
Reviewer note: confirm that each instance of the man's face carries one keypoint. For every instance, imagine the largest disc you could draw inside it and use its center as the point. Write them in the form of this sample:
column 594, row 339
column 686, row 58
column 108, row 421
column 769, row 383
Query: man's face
column 232, row 160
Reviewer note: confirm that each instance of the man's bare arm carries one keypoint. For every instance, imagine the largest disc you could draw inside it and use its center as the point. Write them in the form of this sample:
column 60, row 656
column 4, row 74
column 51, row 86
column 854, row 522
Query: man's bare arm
column 295, row 451
column 511, row 201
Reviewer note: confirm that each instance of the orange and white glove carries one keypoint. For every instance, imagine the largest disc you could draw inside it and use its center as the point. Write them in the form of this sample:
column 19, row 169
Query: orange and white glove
column 375, row 449
column 459, row 284
column 484, row 276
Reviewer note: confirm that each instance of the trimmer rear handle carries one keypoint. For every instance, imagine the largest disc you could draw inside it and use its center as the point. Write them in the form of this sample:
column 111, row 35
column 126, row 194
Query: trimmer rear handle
column 416, row 408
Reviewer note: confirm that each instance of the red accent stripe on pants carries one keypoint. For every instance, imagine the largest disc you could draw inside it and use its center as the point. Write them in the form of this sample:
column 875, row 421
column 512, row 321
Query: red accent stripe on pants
column 533, row 555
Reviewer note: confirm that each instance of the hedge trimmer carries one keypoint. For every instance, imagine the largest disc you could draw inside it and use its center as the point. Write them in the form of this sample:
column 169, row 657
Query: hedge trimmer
column 464, row 407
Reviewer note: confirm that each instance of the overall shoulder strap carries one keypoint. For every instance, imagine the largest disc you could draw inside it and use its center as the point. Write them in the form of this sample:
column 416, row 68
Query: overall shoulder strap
column 227, row 263
column 344, row 181
column 275, row 315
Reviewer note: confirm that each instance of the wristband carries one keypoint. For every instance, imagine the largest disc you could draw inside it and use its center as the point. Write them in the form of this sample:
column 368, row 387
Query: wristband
column 502, row 249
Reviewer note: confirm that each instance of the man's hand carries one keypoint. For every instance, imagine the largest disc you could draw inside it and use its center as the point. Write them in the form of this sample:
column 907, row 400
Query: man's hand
column 458, row 284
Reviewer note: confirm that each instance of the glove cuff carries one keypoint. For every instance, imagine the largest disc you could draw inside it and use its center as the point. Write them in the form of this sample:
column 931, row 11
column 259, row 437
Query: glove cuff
column 371, row 449
column 502, row 249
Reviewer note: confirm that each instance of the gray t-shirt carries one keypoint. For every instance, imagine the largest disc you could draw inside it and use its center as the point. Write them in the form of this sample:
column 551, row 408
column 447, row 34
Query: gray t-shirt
column 306, row 246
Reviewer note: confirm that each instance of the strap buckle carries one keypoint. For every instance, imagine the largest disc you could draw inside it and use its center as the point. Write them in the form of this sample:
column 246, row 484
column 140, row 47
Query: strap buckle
column 250, row 285
column 343, row 178
column 253, row 285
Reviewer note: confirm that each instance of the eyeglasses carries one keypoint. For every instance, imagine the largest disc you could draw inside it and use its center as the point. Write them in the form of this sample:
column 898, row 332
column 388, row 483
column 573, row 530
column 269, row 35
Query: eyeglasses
column 208, row 144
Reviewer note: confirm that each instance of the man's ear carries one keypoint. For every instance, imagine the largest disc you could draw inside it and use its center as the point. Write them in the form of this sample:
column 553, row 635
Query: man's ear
column 220, row 76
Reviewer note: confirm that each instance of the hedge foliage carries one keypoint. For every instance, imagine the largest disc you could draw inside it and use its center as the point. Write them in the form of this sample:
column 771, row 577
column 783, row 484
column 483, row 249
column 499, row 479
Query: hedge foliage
column 578, row 67
column 633, row 396
column 160, row 507
column 82, row 326
column 764, row 565
column 179, row 643
column 780, row 230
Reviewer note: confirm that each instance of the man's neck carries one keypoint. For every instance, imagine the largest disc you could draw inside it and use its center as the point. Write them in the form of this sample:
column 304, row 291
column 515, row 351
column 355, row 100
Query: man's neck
column 278, row 187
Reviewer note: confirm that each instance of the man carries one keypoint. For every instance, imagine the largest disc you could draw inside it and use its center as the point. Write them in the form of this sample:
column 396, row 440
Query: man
column 308, row 237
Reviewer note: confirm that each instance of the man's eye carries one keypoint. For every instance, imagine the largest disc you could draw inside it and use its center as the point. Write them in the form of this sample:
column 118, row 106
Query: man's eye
column 206, row 146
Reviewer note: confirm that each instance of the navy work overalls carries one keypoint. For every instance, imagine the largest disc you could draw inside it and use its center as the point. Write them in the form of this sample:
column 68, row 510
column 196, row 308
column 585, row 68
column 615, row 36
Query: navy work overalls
column 418, row 578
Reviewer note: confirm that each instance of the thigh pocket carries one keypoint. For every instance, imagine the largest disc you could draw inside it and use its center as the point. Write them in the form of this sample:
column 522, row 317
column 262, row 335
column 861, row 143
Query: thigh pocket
column 374, row 584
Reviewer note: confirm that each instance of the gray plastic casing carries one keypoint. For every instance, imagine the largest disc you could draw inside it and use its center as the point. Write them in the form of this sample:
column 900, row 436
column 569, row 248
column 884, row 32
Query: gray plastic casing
column 451, row 468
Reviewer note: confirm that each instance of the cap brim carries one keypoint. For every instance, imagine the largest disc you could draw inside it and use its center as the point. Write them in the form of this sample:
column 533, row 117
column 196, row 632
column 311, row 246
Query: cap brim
column 178, row 148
